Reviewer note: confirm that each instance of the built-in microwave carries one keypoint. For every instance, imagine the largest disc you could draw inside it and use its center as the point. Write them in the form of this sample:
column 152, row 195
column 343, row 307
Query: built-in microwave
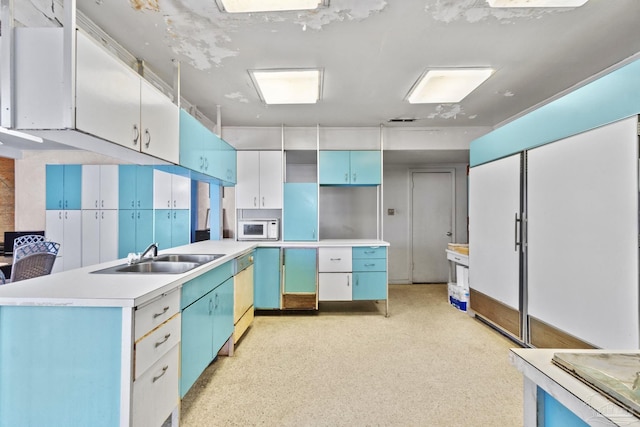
column 258, row 229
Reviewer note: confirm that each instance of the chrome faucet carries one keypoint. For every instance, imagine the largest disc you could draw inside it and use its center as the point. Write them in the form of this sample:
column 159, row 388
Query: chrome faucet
column 152, row 247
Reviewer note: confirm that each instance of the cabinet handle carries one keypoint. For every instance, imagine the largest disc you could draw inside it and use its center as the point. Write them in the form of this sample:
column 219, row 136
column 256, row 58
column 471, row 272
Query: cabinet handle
column 102, row 215
column 369, row 265
column 59, row 215
column 166, row 338
column 201, row 162
column 347, row 281
column 96, row 215
column 175, row 215
column 168, row 215
column 215, row 307
column 96, row 204
column 102, row 204
column 355, row 177
column 133, row 204
column 136, row 134
column 175, row 204
column 138, row 203
column 517, row 244
column 147, row 138
column 164, row 310
column 346, row 177
column 138, row 215
column 255, row 200
column 263, row 201
column 66, row 215
column 66, row 204
column 369, row 252
column 206, row 164
column 210, row 306
column 168, row 203
column 164, row 371
column 133, row 215
column 60, row 204
column 336, row 259
column 313, row 234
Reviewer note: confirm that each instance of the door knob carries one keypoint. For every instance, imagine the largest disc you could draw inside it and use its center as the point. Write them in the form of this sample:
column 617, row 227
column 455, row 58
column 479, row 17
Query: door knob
column 449, row 234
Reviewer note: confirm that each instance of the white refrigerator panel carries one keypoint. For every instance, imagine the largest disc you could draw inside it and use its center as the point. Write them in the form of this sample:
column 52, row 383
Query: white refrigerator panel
column 583, row 235
column 494, row 202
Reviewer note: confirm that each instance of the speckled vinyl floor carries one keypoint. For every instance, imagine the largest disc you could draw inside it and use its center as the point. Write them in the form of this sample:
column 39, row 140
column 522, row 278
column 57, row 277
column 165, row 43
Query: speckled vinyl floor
column 425, row 365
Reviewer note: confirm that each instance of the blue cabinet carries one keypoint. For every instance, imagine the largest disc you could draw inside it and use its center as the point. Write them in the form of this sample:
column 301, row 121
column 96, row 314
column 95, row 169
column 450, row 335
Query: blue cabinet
column 207, row 322
column 227, row 163
column 135, row 187
column 135, row 230
column 300, row 216
column 300, row 266
column 350, row 168
column 63, row 187
column 171, row 227
column 369, row 273
column 266, row 278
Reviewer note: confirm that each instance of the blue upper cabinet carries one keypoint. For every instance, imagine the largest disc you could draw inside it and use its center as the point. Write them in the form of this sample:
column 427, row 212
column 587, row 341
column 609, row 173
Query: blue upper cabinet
column 135, row 187
column 64, row 186
column 300, row 211
column 203, row 151
column 350, row 168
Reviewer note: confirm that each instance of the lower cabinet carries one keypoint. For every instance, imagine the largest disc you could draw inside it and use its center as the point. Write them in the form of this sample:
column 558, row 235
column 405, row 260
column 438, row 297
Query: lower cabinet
column 135, row 230
column 172, row 228
column 266, row 278
column 65, row 227
column 370, row 273
column 300, row 280
column 99, row 236
column 207, row 322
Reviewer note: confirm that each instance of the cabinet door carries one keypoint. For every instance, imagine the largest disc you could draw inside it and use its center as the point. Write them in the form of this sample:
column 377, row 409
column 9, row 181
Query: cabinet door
column 107, row 95
column 192, row 135
column 271, row 180
column 144, row 229
column 229, row 163
column 180, row 192
column 108, row 235
column 266, row 278
column 222, row 314
column 54, row 228
column 161, row 190
column 72, row 239
column 127, row 179
column 180, row 227
column 109, row 187
column 369, row 285
column 334, row 167
column 300, row 216
column 144, row 187
column 299, row 270
column 55, row 186
column 365, row 167
column 334, row 287
column 248, row 186
column 212, row 161
column 162, row 235
column 126, row 232
column 196, row 341
column 159, row 119
column 90, row 237
column 72, row 186
column 90, row 187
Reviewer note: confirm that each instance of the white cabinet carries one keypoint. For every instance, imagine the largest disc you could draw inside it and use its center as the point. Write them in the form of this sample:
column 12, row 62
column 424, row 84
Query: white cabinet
column 335, row 282
column 65, row 227
column 99, row 236
column 115, row 103
column 259, row 180
column 99, row 187
column 171, row 191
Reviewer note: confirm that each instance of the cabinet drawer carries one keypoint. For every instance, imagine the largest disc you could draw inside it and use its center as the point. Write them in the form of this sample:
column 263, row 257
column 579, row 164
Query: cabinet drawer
column 150, row 348
column 334, row 259
column 155, row 313
column 201, row 285
column 155, row 393
column 374, row 264
column 370, row 252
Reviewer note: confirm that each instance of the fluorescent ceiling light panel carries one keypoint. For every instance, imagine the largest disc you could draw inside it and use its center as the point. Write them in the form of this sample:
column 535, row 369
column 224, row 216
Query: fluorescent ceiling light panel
column 447, row 85
column 536, row 3
column 288, row 86
column 245, row 6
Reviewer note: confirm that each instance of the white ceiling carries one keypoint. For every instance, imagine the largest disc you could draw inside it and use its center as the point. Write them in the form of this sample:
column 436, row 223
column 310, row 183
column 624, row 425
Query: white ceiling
column 372, row 52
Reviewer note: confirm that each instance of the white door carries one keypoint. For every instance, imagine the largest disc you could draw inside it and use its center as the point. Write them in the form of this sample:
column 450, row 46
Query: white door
column 494, row 206
column 109, row 186
column 72, row 240
column 248, row 180
column 54, row 231
column 161, row 190
column 432, row 225
column 334, row 287
column 90, row 187
column 159, row 119
column 90, row 237
column 270, row 180
column 180, row 192
column 108, row 235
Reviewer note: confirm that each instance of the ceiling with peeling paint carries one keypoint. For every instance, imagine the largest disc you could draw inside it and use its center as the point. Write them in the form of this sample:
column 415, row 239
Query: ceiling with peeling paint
column 372, row 52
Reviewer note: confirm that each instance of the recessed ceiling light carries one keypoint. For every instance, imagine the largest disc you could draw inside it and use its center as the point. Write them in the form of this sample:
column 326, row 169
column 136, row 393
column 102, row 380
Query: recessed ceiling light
column 292, row 86
column 536, row 3
column 245, row 6
column 447, row 85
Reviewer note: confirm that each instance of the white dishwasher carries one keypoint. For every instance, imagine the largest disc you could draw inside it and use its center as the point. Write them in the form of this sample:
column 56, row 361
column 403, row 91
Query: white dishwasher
column 242, row 295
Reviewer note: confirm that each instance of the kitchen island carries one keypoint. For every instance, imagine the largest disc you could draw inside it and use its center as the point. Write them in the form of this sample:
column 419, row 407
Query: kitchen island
column 80, row 348
column 553, row 397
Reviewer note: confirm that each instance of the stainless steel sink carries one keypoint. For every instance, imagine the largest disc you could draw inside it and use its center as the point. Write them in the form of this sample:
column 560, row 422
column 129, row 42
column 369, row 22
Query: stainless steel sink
column 163, row 264
column 197, row 258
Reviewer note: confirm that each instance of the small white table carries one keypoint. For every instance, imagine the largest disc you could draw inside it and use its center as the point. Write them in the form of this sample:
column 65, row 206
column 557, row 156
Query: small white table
column 455, row 258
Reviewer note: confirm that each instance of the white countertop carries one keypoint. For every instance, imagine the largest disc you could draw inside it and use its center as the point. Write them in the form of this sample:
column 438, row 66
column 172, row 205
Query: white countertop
column 586, row 402
column 81, row 288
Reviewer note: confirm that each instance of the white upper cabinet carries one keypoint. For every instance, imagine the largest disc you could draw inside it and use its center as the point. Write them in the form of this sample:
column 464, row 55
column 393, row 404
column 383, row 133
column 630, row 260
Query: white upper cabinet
column 159, row 124
column 99, row 187
column 171, row 191
column 259, row 180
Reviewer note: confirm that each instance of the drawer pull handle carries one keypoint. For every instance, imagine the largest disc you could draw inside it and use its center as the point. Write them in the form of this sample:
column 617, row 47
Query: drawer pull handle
column 166, row 338
column 369, row 265
column 164, row 371
column 164, row 310
column 369, row 252
column 336, row 259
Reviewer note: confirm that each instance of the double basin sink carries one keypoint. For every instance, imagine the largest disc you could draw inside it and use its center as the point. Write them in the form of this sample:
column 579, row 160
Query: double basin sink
column 163, row 264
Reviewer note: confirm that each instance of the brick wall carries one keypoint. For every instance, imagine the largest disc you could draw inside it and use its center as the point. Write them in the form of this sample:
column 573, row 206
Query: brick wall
column 7, row 195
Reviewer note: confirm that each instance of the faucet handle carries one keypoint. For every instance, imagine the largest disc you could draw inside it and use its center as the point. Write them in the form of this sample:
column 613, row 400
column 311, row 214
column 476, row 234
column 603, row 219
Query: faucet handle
column 132, row 258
